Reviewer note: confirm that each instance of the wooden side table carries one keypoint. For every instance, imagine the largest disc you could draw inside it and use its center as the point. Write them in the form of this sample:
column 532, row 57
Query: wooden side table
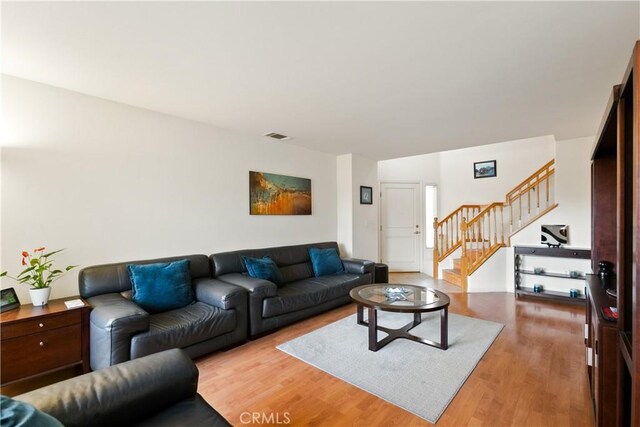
column 38, row 340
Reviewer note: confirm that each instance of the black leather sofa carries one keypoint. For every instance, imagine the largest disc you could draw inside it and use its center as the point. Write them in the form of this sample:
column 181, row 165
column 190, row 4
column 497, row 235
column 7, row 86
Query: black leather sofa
column 303, row 295
column 120, row 330
column 156, row 390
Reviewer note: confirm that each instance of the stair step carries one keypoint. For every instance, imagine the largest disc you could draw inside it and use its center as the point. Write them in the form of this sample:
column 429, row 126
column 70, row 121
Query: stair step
column 457, row 262
column 452, row 276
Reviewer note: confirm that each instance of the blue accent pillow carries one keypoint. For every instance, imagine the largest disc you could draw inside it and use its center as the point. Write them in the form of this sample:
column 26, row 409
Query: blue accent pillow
column 162, row 286
column 263, row 268
column 325, row 261
column 19, row 414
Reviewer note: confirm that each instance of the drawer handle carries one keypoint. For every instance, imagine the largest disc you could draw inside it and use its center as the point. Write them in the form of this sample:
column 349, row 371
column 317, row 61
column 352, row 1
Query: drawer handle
column 41, row 343
column 41, row 325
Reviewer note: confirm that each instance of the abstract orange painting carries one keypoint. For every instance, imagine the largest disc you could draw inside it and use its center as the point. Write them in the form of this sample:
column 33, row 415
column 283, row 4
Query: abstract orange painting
column 272, row 194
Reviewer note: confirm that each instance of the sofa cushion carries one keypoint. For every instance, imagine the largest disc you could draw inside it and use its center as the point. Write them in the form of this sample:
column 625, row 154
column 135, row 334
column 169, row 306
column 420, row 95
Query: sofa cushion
column 283, row 256
column 263, row 268
column 20, row 414
column 310, row 292
column 325, row 261
column 109, row 278
column 295, row 272
column 162, row 286
column 182, row 327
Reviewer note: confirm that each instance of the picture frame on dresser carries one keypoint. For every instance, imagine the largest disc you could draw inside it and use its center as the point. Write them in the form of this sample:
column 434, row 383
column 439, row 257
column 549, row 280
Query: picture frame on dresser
column 8, row 300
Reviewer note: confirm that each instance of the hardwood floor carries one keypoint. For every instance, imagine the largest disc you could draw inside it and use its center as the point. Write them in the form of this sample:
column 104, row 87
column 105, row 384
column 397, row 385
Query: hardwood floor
column 533, row 374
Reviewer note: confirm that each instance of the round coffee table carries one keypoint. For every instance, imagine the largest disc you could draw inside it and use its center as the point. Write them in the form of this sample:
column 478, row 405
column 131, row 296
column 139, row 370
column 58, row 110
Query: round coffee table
column 409, row 299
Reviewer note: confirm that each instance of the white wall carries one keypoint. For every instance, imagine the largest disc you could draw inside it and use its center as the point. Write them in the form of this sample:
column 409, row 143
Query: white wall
column 573, row 195
column 365, row 217
column 515, row 161
column 344, row 190
column 424, row 168
column 357, row 224
column 110, row 182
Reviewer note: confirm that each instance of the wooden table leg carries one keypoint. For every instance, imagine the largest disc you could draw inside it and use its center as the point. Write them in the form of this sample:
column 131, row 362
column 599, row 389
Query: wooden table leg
column 373, row 329
column 444, row 328
column 361, row 315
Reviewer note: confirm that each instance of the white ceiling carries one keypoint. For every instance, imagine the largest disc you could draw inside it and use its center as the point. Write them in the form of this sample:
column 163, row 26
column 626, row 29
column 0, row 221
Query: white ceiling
column 380, row 79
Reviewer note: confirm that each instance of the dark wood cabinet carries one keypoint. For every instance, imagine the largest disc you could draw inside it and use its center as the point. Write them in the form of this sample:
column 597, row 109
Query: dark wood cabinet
column 37, row 340
column 601, row 340
column 615, row 202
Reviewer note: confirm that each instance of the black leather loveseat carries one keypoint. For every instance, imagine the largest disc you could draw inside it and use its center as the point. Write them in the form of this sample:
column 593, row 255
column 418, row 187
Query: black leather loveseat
column 156, row 390
column 121, row 330
column 303, row 294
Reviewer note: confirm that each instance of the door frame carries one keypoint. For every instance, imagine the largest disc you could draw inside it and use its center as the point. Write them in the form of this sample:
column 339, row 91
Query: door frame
column 421, row 219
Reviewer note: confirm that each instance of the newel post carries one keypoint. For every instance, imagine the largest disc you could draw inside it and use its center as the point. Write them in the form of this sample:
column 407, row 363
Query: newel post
column 463, row 261
column 435, row 247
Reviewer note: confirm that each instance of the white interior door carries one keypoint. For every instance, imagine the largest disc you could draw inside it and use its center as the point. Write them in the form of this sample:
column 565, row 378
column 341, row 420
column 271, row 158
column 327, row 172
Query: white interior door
column 400, row 226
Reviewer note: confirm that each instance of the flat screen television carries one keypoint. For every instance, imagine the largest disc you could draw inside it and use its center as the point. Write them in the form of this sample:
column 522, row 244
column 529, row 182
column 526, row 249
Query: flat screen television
column 554, row 235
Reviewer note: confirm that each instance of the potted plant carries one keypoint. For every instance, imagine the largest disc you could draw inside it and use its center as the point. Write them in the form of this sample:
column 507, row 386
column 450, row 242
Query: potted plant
column 39, row 274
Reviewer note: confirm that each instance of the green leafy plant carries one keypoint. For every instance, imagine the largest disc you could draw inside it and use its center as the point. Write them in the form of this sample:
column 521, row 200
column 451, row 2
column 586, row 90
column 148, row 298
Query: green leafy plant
column 39, row 272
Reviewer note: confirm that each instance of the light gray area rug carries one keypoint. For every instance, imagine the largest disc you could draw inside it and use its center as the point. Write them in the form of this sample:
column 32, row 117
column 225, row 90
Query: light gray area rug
column 420, row 379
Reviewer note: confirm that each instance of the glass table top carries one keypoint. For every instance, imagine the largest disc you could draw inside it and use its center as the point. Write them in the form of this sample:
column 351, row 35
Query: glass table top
column 397, row 296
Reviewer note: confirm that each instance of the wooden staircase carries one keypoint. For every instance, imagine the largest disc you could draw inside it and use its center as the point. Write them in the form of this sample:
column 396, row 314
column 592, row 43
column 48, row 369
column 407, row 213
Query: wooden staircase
column 479, row 231
column 454, row 275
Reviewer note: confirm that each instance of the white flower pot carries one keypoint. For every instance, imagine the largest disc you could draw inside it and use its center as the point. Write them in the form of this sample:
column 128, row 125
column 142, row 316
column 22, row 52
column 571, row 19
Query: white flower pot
column 40, row 296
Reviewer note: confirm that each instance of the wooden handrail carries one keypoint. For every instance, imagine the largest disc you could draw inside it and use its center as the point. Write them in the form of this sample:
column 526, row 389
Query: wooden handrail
column 485, row 224
column 460, row 208
column 464, row 260
column 517, row 192
column 532, row 176
column 446, row 236
column 484, row 211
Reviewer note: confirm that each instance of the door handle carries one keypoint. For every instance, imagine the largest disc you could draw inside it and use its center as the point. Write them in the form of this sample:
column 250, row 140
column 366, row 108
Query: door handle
column 416, row 232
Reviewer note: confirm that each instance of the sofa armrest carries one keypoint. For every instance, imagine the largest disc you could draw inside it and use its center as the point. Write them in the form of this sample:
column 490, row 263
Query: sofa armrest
column 256, row 287
column 220, row 294
column 114, row 320
column 357, row 266
column 123, row 394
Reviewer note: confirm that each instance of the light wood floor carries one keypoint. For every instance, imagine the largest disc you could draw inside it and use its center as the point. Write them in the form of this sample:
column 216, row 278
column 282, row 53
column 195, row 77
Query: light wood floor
column 533, row 374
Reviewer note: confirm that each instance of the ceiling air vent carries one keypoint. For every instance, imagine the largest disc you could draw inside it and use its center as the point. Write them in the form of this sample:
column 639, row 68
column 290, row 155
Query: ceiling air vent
column 277, row 136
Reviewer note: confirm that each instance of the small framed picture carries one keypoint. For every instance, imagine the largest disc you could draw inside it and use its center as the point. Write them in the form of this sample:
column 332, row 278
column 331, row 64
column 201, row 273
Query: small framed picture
column 366, row 195
column 486, row 169
column 9, row 299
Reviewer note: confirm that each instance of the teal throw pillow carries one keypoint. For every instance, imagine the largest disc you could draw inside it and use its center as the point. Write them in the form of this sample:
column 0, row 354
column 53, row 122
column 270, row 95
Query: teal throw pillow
column 325, row 261
column 263, row 268
column 161, row 287
column 15, row 413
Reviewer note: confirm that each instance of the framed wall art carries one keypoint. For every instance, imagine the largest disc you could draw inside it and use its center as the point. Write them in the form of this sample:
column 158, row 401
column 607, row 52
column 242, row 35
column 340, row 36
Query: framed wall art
column 486, row 169
column 272, row 194
column 366, row 195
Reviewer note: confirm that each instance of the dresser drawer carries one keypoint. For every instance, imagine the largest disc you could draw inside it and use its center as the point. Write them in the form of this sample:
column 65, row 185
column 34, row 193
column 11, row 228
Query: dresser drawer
column 42, row 324
column 36, row 353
